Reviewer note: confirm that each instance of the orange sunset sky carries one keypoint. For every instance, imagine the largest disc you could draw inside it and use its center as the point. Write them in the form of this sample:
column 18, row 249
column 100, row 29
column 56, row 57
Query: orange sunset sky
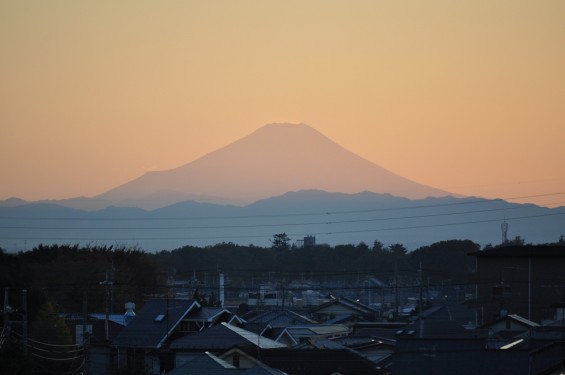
column 465, row 96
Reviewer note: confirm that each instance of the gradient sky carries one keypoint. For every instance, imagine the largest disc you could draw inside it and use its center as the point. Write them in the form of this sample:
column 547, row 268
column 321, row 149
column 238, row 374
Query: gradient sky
column 466, row 96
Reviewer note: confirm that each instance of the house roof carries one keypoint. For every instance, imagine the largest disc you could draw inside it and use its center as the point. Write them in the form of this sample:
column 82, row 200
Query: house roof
column 120, row 319
column 343, row 318
column 116, row 318
column 319, row 329
column 347, row 302
column 222, row 336
column 556, row 323
column 318, row 361
column 369, row 347
column 384, row 331
column 431, row 328
column 522, row 320
column 207, row 314
column 296, row 333
column 154, row 323
column 362, row 342
column 515, row 318
column 259, row 367
column 280, row 318
column 206, row 363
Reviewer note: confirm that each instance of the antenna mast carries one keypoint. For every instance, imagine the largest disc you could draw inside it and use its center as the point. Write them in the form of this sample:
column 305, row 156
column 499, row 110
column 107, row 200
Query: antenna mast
column 504, row 229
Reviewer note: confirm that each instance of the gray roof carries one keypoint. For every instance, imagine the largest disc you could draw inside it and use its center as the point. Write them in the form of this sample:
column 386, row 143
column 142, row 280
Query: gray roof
column 206, row 364
column 341, row 319
column 120, row 319
column 222, row 336
column 153, row 324
column 349, row 303
column 431, row 328
column 280, row 318
column 315, row 331
column 209, row 364
column 522, row 320
column 317, row 361
column 208, row 314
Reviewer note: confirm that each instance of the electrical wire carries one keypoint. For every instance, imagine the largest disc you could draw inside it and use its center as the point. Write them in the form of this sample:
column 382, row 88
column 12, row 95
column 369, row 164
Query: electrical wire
column 321, row 232
column 274, row 225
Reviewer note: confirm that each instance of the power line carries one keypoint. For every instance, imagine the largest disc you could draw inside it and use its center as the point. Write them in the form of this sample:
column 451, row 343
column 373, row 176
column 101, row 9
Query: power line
column 273, row 225
column 321, row 232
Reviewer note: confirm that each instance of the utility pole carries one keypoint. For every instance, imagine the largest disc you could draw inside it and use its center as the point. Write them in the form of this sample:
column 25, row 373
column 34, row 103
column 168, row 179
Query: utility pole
column 5, row 310
column 396, row 290
column 106, row 284
column 221, row 296
column 24, row 319
column 420, row 302
column 85, row 339
column 112, row 278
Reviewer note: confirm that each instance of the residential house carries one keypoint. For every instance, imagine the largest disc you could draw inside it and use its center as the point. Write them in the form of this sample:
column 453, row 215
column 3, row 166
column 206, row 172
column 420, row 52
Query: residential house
column 436, row 347
column 523, row 280
column 216, row 340
column 506, row 328
column 98, row 333
column 209, row 364
column 143, row 344
column 340, row 307
column 294, row 335
column 313, row 361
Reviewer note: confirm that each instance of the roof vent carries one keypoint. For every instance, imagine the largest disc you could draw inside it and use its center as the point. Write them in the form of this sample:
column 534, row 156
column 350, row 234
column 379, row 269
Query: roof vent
column 129, row 306
column 130, row 314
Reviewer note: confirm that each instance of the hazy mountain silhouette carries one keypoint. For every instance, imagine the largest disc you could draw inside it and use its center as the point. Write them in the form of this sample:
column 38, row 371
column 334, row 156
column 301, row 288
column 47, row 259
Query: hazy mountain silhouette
column 275, row 159
column 334, row 218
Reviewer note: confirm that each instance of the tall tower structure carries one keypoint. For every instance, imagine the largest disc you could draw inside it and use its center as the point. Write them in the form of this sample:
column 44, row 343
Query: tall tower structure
column 504, row 229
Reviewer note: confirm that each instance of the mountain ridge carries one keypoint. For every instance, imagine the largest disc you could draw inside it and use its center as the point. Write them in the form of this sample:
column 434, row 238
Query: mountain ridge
column 272, row 160
column 334, row 218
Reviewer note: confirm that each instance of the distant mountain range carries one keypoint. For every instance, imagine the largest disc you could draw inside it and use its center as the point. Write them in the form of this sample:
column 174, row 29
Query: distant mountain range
column 334, row 218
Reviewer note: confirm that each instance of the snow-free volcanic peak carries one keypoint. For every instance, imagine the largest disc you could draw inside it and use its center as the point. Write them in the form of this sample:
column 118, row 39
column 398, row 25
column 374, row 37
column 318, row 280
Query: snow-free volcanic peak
column 271, row 161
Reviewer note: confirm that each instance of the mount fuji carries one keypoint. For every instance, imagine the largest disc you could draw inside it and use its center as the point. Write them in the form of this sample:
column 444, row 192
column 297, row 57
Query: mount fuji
column 273, row 160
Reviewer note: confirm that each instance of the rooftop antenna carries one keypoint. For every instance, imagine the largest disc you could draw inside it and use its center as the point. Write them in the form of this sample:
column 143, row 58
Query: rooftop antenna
column 504, row 229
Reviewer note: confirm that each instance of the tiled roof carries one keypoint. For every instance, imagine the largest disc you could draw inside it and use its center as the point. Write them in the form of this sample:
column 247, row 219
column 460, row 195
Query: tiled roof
column 279, row 318
column 340, row 319
column 209, row 364
column 222, row 336
column 431, row 328
column 314, row 331
column 207, row 313
column 318, row 361
column 351, row 304
column 116, row 318
column 154, row 323
column 523, row 320
column 205, row 363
